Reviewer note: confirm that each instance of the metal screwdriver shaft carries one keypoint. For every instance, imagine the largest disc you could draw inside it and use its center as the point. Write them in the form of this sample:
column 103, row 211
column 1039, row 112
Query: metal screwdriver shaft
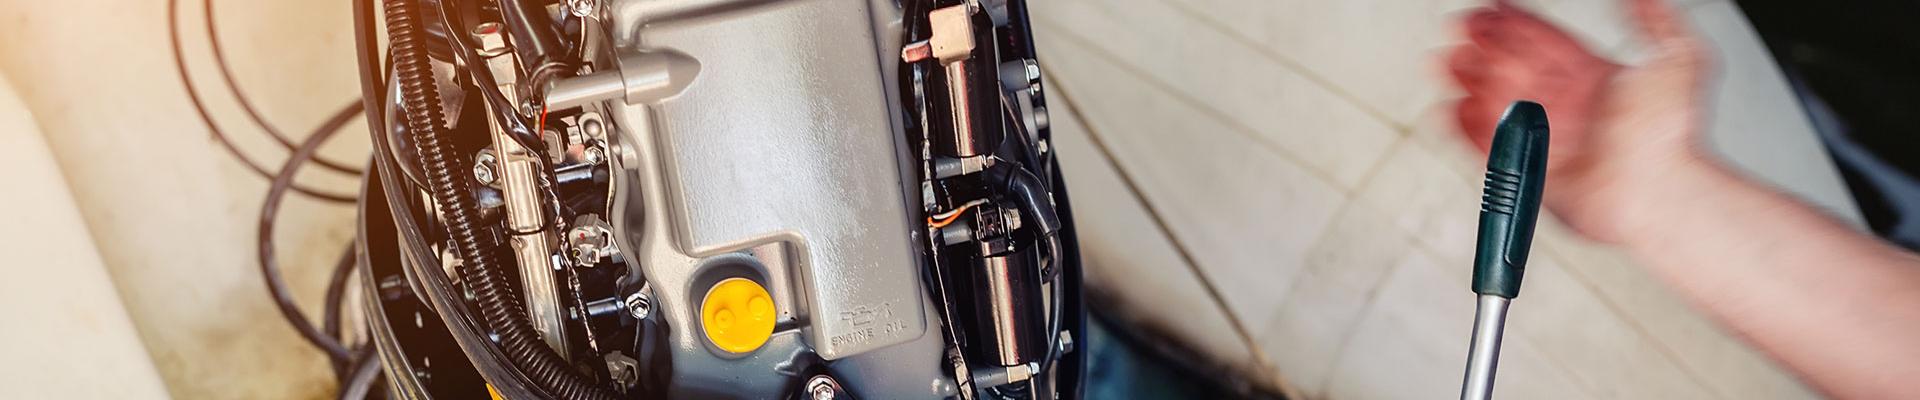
column 1509, row 205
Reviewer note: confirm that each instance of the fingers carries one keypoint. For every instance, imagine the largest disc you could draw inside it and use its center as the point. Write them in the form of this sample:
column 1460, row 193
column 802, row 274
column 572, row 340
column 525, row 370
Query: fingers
column 1508, row 31
column 1468, row 67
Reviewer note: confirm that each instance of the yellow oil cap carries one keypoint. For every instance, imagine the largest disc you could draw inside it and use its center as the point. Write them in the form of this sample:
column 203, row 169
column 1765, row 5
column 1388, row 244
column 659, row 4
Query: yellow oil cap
column 737, row 315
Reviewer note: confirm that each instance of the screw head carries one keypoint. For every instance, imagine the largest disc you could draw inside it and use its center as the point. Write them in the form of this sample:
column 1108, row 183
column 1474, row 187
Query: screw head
column 483, row 173
column 639, row 305
column 594, row 155
column 822, row 387
column 580, row 8
column 483, row 168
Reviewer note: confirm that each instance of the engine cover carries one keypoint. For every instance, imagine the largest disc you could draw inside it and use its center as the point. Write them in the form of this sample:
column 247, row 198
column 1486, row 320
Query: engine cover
column 781, row 161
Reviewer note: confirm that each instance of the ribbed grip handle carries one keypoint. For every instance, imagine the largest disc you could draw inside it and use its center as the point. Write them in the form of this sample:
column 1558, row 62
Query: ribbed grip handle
column 1501, row 193
column 1510, row 199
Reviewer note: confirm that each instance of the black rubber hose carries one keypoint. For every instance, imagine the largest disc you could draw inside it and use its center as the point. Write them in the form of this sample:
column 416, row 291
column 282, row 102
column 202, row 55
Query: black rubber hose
column 269, row 266
column 337, row 293
column 498, row 306
column 366, row 374
column 533, row 36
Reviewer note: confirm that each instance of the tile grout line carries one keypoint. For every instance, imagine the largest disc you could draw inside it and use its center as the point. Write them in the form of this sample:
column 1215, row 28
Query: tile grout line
column 1160, row 223
column 1345, row 341
column 1241, row 128
column 1347, row 206
column 1527, row 340
column 1290, row 64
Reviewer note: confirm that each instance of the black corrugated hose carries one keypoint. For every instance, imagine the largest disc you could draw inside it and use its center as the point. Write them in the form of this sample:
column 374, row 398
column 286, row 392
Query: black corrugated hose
column 501, row 310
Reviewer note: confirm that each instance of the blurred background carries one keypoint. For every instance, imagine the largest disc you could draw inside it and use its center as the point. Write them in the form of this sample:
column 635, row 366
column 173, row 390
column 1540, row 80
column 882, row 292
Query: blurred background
column 1270, row 195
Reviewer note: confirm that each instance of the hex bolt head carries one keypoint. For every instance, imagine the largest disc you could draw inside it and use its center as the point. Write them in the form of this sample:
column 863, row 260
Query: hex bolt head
column 639, row 305
column 822, row 387
column 483, row 168
column 580, row 8
column 483, row 173
column 594, row 155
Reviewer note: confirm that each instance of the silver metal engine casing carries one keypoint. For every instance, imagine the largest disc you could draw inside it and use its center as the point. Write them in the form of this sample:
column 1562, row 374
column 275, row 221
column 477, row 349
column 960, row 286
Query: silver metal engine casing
column 783, row 161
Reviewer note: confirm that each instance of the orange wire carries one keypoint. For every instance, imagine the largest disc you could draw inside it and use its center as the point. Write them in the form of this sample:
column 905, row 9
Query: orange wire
column 950, row 218
column 543, row 120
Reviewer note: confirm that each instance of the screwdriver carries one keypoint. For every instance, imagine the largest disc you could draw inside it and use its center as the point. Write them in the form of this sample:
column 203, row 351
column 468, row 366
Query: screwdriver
column 1509, row 205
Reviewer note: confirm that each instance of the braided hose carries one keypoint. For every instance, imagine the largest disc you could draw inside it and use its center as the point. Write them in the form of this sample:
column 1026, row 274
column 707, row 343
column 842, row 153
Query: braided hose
column 499, row 307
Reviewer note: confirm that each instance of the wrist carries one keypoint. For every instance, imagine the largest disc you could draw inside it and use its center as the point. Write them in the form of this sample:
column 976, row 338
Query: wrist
column 1666, row 190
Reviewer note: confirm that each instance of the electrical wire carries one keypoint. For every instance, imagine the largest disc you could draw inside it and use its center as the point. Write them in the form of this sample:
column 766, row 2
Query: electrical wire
column 226, row 74
column 180, row 64
column 941, row 220
column 337, row 292
column 363, row 364
column 269, row 267
column 366, row 374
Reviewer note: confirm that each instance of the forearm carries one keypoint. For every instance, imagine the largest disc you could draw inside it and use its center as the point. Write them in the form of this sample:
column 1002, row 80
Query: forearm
column 1839, row 307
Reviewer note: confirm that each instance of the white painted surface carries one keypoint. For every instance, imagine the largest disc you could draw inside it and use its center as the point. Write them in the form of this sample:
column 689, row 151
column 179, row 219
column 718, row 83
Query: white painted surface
column 67, row 334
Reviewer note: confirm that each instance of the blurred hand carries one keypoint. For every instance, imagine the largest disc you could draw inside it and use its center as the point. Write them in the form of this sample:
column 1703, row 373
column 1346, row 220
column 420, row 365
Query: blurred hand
column 1615, row 128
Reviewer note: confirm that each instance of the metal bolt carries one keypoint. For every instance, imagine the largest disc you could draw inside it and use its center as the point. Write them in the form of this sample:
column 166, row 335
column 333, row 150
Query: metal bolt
column 1033, row 70
column 492, row 43
column 823, row 387
column 483, row 173
column 594, row 155
column 639, row 304
column 1066, row 342
column 580, row 8
column 483, row 168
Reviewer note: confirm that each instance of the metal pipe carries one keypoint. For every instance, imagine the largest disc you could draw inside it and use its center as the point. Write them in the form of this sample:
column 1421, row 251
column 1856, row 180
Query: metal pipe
column 961, row 106
column 1001, row 298
column 638, row 79
column 1483, row 355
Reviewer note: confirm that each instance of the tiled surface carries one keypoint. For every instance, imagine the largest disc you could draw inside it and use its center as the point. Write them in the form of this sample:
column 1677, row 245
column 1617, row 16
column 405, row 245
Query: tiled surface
column 1151, row 46
column 1359, row 290
column 1208, row 198
column 1329, row 298
column 1132, row 258
column 1411, row 344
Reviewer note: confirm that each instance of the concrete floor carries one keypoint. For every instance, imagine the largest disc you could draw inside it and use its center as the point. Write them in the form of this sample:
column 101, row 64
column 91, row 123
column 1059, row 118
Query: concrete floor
column 1288, row 146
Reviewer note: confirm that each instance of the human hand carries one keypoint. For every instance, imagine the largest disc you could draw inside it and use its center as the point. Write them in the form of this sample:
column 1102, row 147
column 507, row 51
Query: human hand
column 1616, row 129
